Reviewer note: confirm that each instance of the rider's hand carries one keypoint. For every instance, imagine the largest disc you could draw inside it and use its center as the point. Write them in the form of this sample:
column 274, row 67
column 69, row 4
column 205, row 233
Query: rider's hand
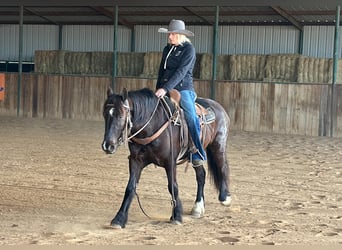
column 160, row 92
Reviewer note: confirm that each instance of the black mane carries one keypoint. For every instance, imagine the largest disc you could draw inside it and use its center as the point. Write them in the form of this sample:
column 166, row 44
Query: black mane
column 144, row 102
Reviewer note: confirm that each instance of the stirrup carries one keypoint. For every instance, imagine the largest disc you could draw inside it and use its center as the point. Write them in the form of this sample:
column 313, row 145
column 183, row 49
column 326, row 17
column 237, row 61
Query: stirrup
column 197, row 163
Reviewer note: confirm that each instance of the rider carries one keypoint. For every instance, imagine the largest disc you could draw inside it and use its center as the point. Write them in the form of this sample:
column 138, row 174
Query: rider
column 175, row 72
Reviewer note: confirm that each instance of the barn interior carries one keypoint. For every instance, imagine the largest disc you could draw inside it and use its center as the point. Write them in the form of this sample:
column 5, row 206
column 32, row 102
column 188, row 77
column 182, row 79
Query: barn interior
column 317, row 64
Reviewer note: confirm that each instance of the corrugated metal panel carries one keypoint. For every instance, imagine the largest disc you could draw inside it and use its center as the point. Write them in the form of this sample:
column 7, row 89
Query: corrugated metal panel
column 9, row 42
column 319, row 41
column 147, row 38
column 258, row 39
column 35, row 37
column 232, row 39
column 202, row 40
column 39, row 37
column 95, row 38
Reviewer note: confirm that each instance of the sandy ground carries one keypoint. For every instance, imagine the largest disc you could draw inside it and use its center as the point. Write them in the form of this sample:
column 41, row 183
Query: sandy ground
column 57, row 187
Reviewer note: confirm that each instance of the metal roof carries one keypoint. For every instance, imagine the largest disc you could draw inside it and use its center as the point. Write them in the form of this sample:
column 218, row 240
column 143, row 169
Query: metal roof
column 131, row 13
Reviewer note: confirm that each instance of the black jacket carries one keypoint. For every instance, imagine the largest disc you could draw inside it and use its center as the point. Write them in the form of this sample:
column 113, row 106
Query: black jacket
column 176, row 73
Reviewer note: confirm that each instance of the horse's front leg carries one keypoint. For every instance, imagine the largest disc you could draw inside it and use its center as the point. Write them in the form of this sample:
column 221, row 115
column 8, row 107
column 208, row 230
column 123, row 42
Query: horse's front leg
column 177, row 211
column 198, row 208
column 121, row 217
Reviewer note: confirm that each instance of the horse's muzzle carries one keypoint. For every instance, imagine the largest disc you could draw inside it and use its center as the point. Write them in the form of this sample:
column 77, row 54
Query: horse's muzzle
column 110, row 147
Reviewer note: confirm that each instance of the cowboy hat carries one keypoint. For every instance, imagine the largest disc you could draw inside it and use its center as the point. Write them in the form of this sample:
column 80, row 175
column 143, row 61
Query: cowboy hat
column 176, row 26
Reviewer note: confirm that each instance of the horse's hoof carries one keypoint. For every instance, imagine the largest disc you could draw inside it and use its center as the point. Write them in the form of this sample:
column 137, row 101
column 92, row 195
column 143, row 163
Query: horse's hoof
column 115, row 226
column 227, row 201
column 198, row 209
column 195, row 214
column 176, row 222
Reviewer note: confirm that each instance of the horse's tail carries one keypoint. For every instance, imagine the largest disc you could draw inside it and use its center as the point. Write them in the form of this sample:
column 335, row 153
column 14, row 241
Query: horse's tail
column 218, row 169
column 217, row 160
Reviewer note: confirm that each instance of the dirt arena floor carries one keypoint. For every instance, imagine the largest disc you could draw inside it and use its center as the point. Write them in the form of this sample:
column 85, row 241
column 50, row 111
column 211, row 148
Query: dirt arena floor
column 57, row 187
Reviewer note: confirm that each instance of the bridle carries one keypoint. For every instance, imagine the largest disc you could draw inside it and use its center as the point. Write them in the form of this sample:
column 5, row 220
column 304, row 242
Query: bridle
column 126, row 136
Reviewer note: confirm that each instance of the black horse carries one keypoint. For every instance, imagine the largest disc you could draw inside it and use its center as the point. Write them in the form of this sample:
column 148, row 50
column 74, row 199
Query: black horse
column 155, row 135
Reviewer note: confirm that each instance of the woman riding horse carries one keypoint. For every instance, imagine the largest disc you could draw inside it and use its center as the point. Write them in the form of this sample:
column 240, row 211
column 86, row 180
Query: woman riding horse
column 175, row 72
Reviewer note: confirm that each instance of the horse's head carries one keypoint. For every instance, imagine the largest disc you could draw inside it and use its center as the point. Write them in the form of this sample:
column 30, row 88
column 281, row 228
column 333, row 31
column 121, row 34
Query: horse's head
column 116, row 115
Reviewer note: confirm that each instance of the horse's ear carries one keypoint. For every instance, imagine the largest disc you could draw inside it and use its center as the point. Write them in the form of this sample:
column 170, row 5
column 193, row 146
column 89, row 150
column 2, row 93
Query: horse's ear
column 109, row 91
column 124, row 94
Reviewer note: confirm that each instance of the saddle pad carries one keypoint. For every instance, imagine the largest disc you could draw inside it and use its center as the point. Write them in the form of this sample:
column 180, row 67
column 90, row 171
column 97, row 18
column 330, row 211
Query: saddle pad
column 209, row 117
column 204, row 111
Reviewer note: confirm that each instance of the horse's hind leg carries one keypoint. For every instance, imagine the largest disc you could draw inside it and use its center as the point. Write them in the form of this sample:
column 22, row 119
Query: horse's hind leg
column 198, row 208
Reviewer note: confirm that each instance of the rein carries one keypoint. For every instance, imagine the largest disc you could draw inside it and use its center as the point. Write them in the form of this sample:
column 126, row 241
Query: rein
column 129, row 126
column 146, row 140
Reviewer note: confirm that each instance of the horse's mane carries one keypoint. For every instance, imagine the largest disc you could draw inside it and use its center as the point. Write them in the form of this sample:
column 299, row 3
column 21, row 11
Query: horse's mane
column 144, row 102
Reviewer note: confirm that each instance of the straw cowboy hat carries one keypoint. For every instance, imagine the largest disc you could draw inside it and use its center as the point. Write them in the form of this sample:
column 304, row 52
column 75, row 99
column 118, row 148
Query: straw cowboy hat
column 176, row 26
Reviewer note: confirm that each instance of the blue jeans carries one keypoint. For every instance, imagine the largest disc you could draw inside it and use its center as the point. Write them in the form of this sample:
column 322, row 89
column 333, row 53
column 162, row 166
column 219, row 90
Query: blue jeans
column 187, row 103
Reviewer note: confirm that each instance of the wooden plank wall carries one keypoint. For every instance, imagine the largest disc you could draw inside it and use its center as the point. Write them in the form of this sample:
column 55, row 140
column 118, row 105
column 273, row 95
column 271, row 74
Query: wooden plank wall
column 302, row 109
column 56, row 96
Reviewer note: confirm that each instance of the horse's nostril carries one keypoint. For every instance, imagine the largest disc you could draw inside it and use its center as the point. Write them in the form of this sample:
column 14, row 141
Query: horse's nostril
column 111, row 148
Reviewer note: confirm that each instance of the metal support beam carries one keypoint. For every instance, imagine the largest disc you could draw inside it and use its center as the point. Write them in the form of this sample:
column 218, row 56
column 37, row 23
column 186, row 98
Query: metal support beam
column 288, row 17
column 20, row 66
column 115, row 42
column 215, row 39
column 60, row 37
column 300, row 42
column 41, row 16
column 132, row 40
column 335, row 69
